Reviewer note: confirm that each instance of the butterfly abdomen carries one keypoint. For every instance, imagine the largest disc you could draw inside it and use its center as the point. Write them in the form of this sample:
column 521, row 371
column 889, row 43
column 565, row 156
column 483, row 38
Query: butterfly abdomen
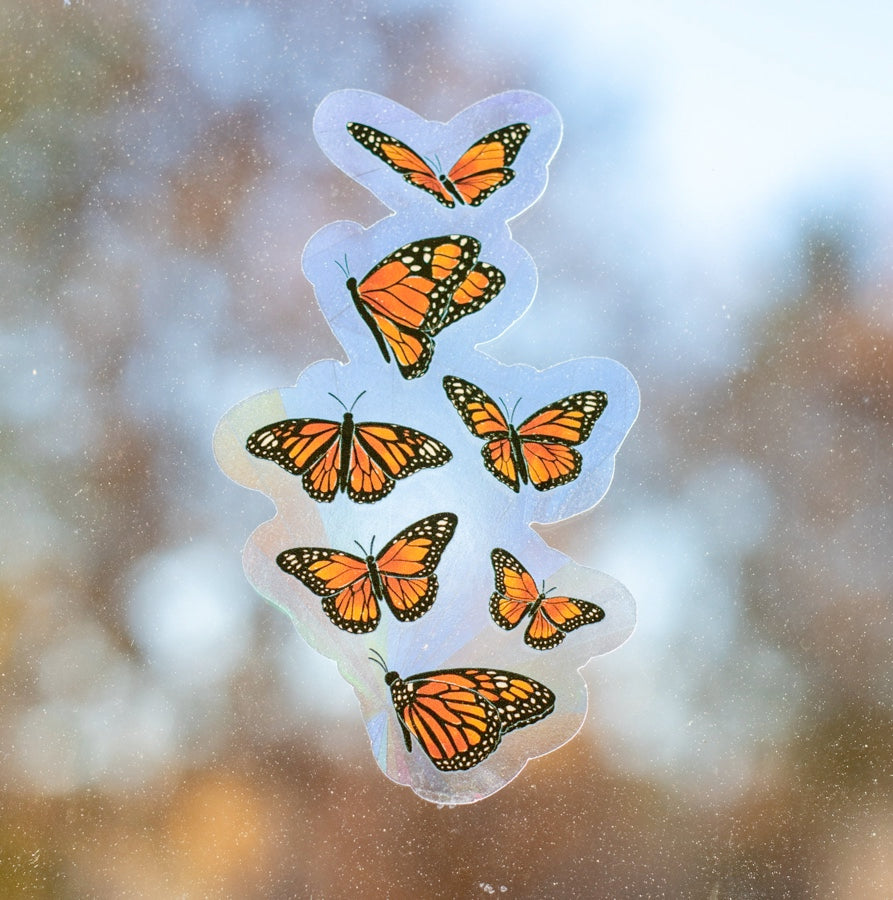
column 366, row 316
column 517, row 453
column 400, row 697
column 451, row 188
column 535, row 606
column 375, row 581
column 347, row 428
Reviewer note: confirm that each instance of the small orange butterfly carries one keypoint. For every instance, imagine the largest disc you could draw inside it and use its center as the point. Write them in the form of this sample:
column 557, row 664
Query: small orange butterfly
column 481, row 169
column 541, row 449
column 459, row 716
column 516, row 596
column 419, row 289
column 362, row 459
column 401, row 575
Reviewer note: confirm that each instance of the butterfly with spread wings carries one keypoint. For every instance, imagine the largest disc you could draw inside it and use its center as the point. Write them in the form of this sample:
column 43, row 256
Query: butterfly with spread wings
column 541, row 449
column 400, row 576
column 459, row 716
column 417, row 291
column 361, row 459
column 482, row 168
column 516, row 597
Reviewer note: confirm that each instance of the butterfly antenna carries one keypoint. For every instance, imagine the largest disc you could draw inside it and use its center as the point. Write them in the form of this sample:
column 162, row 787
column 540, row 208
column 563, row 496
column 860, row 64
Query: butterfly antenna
column 363, row 549
column 352, row 405
column 338, row 399
column 510, row 416
column 345, row 268
column 434, row 162
column 378, row 659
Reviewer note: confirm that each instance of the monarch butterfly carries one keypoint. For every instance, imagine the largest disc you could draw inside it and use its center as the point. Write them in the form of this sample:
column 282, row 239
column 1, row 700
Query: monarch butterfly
column 419, row 289
column 401, row 575
column 459, row 716
column 362, row 459
column 541, row 449
column 516, row 596
column 481, row 169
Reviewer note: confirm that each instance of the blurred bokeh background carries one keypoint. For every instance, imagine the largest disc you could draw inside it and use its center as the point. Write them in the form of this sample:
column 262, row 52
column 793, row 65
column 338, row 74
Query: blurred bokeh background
column 719, row 219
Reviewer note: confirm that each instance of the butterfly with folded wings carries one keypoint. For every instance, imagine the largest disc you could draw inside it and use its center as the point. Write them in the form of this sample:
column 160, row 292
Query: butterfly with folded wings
column 459, row 716
column 415, row 292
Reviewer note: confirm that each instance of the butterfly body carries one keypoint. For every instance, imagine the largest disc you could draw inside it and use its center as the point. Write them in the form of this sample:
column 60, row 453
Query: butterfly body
column 540, row 450
column 417, row 291
column 345, row 440
column 517, row 598
column 369, row 319
column 459, row 716
column 450, row 188
column 353, row 589
column 516, row 449
column 363, row 460
column 482, row 168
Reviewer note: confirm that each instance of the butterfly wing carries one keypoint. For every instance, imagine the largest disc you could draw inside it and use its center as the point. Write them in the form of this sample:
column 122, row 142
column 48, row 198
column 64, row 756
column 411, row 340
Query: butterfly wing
column 556, row 617
column 341, row 579
column 384, row 452
column 402, row 159
column 406, row 565
column 409, row 292
column 307, row 447
column 480, row 286
column 483, row 167
column 516, row 592
column 484, row 419
column 549, row 435
column 459, row 716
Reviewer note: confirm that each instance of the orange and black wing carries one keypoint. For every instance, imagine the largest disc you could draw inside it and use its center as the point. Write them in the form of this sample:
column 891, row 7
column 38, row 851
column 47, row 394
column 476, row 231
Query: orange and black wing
column 343, row 582
column 459, row 716
column 480, row 286
column 402, row 159
column 557, row 616
column 483, row 418
column 483, row 167
column 517, row 596
column 409, row 293
column 382, row 453
column 406, row 565
column 307, row 447
column 550, row 434
column 516, row 592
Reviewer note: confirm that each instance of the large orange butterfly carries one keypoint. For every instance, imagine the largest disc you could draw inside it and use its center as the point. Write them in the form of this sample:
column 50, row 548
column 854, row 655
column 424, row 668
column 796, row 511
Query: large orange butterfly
column 481, row 169
column 541, row 449
column 517, row 596
column 419, row 289
column 401, row 575
column 459, row 716
column 362, row 459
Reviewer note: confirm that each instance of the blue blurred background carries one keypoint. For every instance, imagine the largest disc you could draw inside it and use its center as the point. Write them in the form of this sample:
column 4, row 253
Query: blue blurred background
column 719, row 219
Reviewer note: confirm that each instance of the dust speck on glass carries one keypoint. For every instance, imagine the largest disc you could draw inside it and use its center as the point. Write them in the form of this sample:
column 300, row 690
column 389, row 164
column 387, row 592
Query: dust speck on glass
column 406, row 480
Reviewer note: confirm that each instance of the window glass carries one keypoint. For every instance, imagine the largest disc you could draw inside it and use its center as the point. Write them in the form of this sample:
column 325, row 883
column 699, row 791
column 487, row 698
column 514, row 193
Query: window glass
column 718, row 219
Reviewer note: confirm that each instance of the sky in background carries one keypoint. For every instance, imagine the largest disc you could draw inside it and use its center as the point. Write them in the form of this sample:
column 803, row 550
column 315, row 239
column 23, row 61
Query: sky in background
column 743, row 105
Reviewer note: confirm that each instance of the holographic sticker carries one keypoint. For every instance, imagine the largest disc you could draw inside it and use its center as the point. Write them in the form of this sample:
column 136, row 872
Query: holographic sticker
column 406, row 480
